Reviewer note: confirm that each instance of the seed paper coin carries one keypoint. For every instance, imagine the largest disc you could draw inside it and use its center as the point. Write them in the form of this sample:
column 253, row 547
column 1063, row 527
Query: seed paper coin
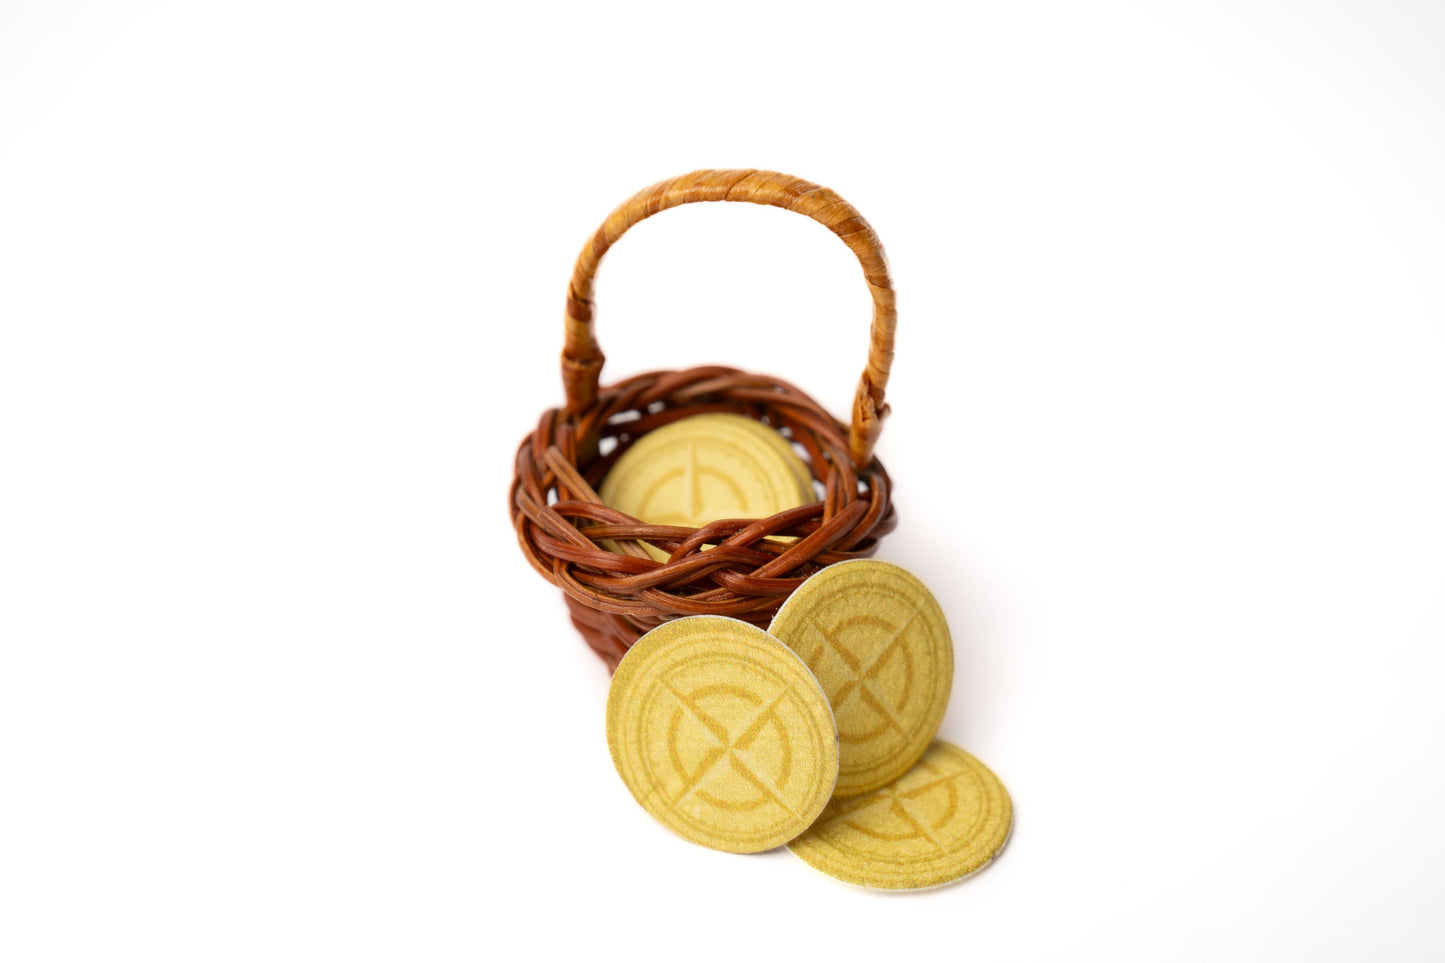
column 947, row 818
column 877, row 641
column 706, row 467
column 722, row 734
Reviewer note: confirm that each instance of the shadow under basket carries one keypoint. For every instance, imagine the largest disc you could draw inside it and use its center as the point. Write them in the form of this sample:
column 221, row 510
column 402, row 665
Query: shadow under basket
column 565, row 530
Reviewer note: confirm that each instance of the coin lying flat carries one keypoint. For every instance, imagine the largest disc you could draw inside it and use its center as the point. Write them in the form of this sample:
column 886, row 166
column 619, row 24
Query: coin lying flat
column 877, row 641
column 722, row 734
column 706, row 467
column 947, row 818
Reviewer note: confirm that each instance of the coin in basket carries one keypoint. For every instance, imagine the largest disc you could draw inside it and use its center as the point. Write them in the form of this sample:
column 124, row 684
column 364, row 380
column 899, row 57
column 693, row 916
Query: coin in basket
column 947, row 818
column 722, row 734
column 703, row 468
column 877, row 641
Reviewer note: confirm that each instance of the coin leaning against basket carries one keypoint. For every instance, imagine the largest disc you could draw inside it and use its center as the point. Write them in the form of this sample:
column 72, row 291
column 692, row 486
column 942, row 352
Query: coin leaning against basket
column 755, row 728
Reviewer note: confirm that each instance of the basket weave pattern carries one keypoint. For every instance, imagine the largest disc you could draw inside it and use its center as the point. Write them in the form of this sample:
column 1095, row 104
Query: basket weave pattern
column 616, row 596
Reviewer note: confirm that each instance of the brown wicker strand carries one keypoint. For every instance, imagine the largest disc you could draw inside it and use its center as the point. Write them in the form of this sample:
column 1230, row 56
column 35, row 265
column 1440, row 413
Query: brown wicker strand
column 582, row 357
column 615, row 598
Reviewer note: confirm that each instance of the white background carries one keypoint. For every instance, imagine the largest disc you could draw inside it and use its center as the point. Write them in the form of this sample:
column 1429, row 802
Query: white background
column 281, row 289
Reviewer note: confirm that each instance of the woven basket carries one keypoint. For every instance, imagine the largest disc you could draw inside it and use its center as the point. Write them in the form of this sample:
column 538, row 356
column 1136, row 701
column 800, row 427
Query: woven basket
column 616, row 596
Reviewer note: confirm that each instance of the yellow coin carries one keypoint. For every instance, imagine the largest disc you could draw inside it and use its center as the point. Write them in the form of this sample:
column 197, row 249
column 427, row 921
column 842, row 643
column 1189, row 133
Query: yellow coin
column 947, row 818
column 722, row 734
column 877, row 641
column 706, row 467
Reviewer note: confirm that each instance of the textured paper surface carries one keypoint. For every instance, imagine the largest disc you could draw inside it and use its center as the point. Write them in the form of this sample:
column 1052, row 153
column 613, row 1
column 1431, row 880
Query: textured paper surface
column 877, row 640
column 948, row 817
column 722, row 733
column 706, row 467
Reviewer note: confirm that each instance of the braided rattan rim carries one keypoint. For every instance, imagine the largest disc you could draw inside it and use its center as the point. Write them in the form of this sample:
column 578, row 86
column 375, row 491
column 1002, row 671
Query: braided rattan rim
column 615, row 597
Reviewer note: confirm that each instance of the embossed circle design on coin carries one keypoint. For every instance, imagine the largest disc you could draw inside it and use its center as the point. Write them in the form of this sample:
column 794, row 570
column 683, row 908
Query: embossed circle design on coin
column 722, row 734
column 706, row 467
column 877, row 641
column 947, row 818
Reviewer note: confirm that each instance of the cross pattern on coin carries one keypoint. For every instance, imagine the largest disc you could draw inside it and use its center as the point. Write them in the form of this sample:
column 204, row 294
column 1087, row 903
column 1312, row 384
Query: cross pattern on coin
column 671, row 500
column 859, row 678
column 730, row 749
column 722, row 734
column 704, row 468
column 946, row 818
column 877, row 641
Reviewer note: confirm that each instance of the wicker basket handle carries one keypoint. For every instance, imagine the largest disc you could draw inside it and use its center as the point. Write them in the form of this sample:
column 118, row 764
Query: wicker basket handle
column 582, row 358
